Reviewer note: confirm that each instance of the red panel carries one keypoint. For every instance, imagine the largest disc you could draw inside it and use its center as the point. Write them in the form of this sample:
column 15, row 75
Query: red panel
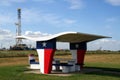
column 80, row 57
column 48, row 58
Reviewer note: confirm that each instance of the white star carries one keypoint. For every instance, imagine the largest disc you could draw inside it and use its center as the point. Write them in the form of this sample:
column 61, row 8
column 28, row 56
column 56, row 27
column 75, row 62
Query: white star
column 77, row 45
column 44, row 44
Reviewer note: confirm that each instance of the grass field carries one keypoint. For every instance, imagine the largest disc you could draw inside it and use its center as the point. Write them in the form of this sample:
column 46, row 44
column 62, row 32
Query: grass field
column 97, row 67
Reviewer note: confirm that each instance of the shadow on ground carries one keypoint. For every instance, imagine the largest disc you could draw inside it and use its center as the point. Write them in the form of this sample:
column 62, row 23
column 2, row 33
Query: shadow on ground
column 114, row 72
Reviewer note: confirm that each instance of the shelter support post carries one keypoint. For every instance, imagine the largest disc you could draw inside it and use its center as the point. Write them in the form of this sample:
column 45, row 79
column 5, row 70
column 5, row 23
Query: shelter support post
column 46, row 51
column 78, row 51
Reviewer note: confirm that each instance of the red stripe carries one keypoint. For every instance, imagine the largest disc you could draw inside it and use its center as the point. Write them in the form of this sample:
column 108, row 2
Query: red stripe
column 80, row 57
column 48, row 58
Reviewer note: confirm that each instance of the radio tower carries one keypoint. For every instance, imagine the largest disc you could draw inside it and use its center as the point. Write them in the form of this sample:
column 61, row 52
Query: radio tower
column 18, row 29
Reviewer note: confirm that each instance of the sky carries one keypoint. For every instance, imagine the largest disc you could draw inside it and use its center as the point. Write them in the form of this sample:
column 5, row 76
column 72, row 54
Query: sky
column 44, row 17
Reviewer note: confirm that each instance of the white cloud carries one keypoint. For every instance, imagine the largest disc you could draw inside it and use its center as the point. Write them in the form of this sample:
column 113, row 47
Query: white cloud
column 105, row 44
column 10, row 2
column 5, row 34
column 36, row 34
column 6, row 19
column 75, row 4
column 31, row 15
column 62, row 45
column 112, row 19
column 48, row 1
column 114, row 2
column 6, row 38
column 52, row 19
column 33, row 34
column 35, row 16
column 108, row 27
column 57, row 20
column 69, row 21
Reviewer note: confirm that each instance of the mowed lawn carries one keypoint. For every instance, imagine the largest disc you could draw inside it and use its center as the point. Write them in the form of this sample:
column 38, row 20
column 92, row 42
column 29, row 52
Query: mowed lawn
column 97, row 67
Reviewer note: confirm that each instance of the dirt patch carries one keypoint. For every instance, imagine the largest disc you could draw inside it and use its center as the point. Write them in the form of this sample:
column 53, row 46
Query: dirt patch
column 103, row 58
column 13, row 61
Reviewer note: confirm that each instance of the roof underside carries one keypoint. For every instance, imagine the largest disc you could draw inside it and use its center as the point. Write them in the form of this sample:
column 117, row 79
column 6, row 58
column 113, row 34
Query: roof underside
column 71, row 37
column 78, row 37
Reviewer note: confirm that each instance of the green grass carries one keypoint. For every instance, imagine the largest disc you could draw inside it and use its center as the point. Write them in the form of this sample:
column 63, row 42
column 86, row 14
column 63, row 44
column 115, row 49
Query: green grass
column 104, row 62
column 17, row 73
column 24, row 53
column 16, row 53
column 102, row 65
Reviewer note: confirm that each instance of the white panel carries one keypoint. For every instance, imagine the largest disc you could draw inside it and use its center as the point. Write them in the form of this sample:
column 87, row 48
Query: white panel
column 41, row 59
column 72, row 68
column 74, row 55
column 34, row 66
column 31, row 58
column 65, row 69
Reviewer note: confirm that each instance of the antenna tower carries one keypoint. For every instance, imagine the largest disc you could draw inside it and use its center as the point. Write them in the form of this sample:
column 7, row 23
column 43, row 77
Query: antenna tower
column 18, row 29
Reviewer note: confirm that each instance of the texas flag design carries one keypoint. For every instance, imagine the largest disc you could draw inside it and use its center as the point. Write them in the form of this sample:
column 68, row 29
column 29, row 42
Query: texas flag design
column 46, row 51
column 78, row 51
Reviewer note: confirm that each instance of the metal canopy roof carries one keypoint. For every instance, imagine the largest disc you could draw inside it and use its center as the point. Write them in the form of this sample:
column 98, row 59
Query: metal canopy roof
column 78, row 37
column 71, row 37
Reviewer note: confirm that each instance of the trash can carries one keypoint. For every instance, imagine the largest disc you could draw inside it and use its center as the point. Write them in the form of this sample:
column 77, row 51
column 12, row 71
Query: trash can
column 72, row 68
column 31, row 58
column 77, row 67
column 66, row 69
column 56, row 66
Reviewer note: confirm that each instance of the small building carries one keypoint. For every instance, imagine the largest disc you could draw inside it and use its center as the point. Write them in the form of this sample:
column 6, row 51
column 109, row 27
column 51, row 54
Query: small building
column 46, row 47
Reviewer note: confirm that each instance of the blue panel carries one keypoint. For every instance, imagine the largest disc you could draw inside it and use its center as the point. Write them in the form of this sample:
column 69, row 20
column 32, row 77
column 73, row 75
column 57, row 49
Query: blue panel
column 50, row 44
column 34, row 63
column 31, row 61
column 82, row 46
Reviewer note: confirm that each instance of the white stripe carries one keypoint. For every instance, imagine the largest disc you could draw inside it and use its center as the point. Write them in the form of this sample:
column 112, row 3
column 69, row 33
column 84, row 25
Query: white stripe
column 74, row 55
column 41, row 59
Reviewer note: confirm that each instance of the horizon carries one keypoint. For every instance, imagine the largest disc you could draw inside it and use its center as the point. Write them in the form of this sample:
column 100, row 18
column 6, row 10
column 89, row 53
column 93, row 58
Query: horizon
column 47, row 17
